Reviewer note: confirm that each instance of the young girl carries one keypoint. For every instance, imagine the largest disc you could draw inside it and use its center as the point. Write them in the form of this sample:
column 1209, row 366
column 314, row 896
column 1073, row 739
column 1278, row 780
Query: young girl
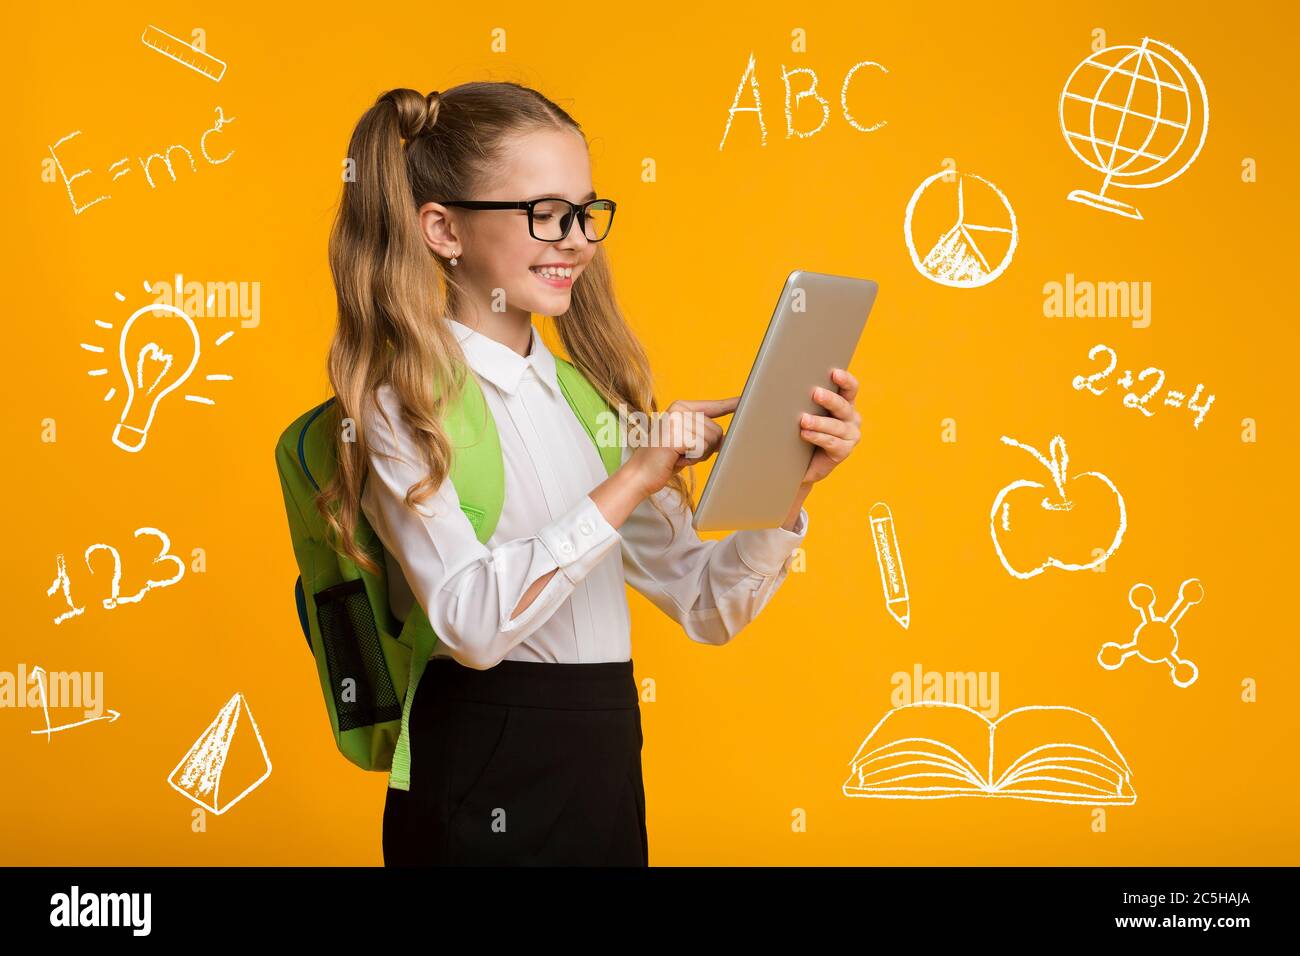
column 470, row 212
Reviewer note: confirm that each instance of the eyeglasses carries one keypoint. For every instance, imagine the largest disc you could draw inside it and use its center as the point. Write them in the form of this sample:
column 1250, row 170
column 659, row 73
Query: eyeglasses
column 550, row 219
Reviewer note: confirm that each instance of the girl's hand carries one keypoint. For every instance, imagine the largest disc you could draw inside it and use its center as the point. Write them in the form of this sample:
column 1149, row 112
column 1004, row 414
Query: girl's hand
column 685, row 434
column 835, row 435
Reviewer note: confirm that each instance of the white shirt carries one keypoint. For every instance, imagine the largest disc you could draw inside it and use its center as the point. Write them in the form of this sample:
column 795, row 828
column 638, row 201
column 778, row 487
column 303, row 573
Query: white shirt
column 712, row 588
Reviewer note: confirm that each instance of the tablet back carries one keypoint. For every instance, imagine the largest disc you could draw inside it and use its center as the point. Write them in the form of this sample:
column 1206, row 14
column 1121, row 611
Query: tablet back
column 815, row 328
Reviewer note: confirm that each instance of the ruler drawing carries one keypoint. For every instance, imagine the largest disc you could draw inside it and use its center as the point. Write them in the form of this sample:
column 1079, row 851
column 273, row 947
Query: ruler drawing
column 184, row 53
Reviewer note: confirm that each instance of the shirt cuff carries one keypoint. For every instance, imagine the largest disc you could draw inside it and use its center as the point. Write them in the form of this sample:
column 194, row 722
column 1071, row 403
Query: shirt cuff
column 765, row 550
column 579, row 539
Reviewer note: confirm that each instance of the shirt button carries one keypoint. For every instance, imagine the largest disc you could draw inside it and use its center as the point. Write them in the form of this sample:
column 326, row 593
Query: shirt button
column 585, row 526
column 566, row 548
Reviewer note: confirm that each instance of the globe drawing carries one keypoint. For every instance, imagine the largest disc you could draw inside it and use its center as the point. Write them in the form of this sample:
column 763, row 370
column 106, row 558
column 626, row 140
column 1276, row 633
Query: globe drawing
column 1138, row 115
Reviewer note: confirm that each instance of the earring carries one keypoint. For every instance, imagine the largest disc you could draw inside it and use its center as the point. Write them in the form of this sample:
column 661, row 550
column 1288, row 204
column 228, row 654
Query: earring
column 454, row 260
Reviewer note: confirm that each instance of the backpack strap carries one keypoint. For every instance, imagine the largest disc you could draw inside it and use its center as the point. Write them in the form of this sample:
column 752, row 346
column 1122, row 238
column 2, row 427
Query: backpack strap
column 592, row 410
column 478, row 475
column 477, row 468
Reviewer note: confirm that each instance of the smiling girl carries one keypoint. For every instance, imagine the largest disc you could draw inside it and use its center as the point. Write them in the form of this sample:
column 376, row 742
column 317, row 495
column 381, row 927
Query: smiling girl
column 472, row 211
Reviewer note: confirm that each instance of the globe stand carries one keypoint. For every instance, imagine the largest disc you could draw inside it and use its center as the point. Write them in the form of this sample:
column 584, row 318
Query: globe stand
column 1098, row 201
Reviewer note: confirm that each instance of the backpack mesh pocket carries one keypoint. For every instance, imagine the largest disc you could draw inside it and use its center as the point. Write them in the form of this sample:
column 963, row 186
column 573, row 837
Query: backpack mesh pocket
column 359, row 680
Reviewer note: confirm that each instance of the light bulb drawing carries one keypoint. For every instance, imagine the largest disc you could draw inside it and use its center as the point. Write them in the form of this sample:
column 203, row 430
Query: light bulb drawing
column 1155, row 640
column 158, row 350
column 150, row 372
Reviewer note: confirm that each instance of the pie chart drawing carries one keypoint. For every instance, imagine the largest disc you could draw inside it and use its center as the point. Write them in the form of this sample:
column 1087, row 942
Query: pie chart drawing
column 977, row 245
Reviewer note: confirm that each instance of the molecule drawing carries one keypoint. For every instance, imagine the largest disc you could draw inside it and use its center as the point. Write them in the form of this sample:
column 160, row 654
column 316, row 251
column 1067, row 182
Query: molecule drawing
column 1155, row 640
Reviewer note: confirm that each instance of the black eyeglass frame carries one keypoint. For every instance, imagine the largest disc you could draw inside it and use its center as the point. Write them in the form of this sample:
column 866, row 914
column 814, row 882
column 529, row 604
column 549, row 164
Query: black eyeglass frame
column 578, row 211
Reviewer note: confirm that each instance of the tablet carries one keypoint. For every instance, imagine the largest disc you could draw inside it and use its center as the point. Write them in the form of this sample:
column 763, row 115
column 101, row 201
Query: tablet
column 815, row 328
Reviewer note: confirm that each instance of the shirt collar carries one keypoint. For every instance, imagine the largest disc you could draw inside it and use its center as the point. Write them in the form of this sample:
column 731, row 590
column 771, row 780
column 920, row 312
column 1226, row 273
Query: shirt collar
column 502, row 365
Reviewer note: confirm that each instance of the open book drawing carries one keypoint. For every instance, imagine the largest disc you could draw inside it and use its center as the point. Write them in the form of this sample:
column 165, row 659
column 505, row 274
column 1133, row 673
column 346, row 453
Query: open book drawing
column 932, row 749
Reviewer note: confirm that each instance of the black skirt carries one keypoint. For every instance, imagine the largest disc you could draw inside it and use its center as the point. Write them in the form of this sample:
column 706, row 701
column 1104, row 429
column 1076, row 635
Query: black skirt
column 523, row 763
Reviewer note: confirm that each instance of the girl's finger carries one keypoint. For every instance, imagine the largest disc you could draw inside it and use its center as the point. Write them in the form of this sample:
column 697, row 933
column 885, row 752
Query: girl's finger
column 847, row 383
column 837, row 405
column 830, row 426
column 714, row 408
column 836, row 448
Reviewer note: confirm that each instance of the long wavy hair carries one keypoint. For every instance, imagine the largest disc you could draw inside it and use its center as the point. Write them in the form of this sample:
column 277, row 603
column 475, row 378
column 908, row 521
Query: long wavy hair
column 393, row 290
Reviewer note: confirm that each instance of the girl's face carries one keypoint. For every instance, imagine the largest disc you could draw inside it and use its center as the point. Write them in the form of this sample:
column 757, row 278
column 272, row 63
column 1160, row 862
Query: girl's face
column 497, row 250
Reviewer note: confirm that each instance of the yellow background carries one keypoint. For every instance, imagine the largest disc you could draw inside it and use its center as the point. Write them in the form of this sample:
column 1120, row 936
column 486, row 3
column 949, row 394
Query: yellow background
column 740, row 737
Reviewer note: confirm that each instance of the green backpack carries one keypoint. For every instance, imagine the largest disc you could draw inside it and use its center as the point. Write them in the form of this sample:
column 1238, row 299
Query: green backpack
column 368, row 662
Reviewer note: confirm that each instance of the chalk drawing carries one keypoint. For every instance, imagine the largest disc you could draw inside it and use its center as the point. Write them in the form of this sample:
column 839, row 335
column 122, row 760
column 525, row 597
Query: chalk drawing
column 50, row 730
column 890, row 560
column 1061, row 755
column 201, row 774
column 183, row 53
column 1155, row 640
column 148, row 164
column 1140, row 396
column 158, row 349
column 1133, row 113
column 63, row 582
column 956, row 259
column 1019, row 503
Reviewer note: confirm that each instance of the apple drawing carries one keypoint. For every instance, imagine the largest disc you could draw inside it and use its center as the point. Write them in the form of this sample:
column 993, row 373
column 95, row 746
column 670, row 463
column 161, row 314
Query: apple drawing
column 1083, row 507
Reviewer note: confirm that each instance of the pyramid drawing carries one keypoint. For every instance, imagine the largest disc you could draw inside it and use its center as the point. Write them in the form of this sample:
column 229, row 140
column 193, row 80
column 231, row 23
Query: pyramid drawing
column 222, row 758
